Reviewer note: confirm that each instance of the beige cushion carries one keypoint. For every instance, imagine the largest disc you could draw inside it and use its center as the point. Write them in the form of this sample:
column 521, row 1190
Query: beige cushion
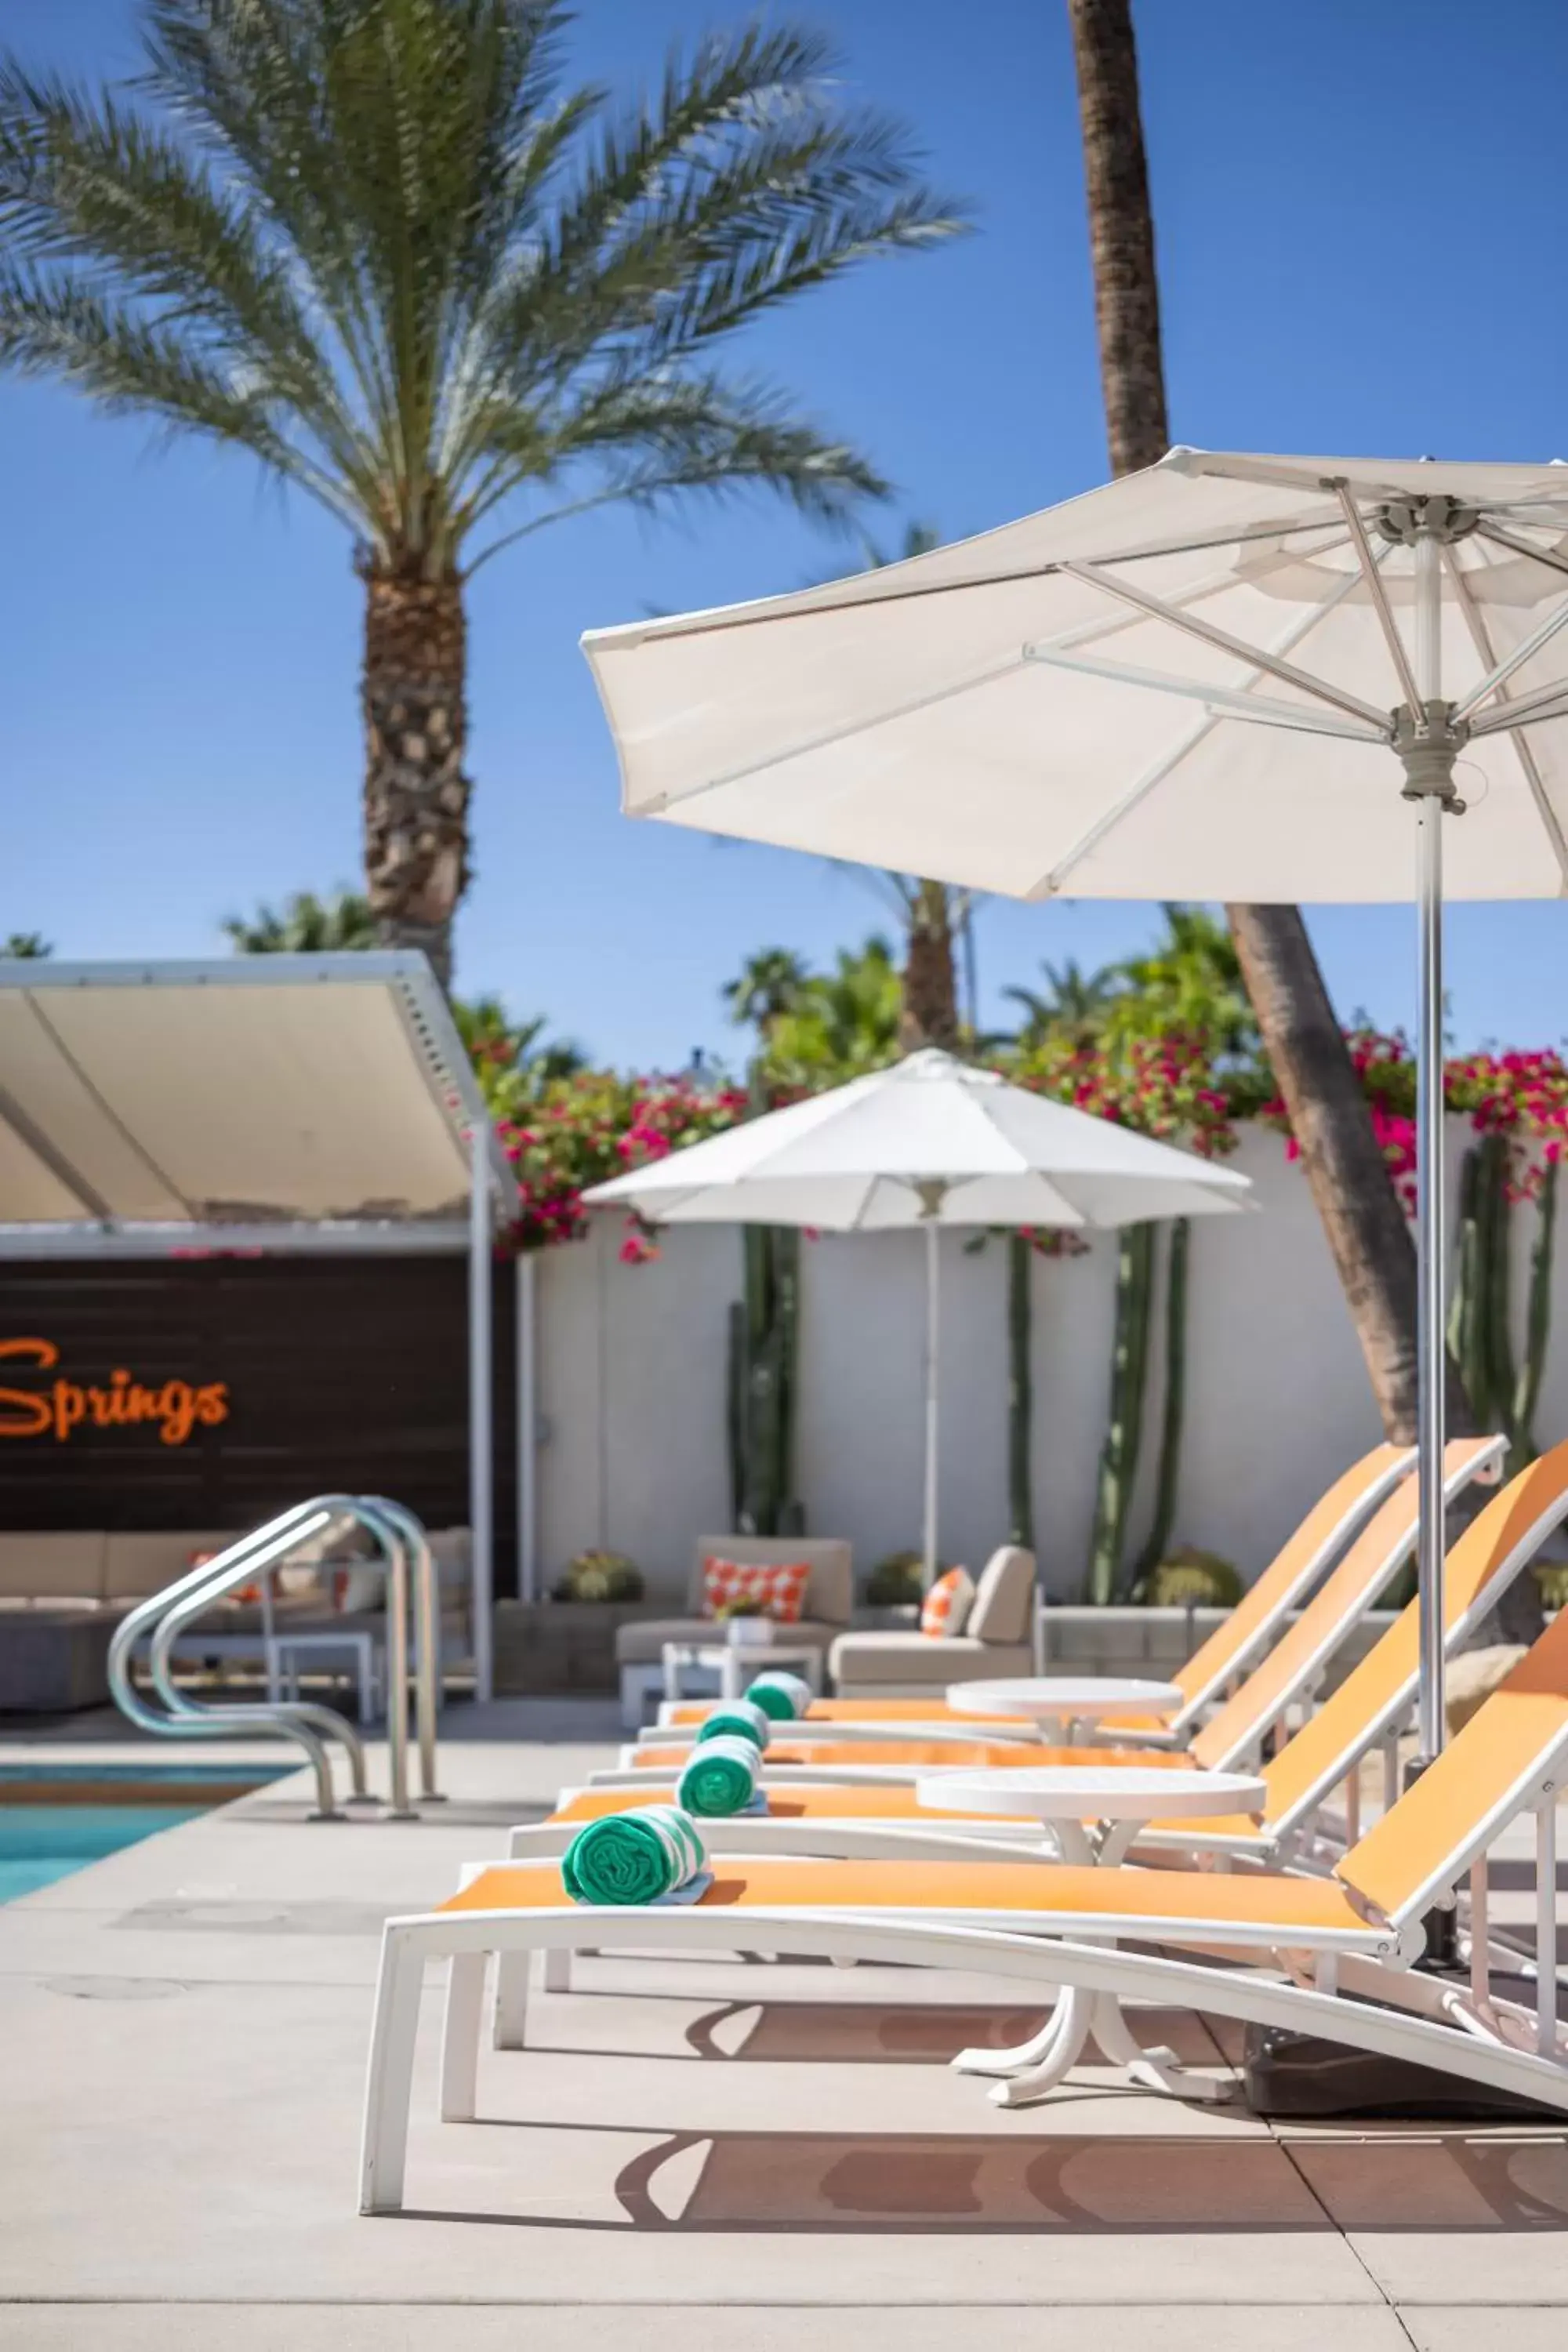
column 895, row 1665
column 829, row 1595
column 136, row 1565
column 640, row 1640
column 1002, row 1597
column 54, row 1567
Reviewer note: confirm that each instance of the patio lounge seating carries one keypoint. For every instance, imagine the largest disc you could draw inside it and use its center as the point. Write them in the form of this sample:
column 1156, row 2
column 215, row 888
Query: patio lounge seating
column 857, row 1821
column 1339, row 1949
column 994, row 1640
column 1233, row 1736
column 1235, row 1644
column 639, row 1644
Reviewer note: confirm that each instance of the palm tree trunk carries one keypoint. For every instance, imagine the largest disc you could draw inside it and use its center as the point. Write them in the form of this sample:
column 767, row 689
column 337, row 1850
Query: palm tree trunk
column 1374, row 1255
column 415, row 727
column 1343, row 1164
column 930, row 1014
column 1121, row 232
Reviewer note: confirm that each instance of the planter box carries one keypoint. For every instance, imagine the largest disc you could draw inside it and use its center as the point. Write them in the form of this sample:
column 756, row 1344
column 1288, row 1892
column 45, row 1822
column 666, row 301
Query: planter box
column 1149, row 1644
column 562, row 1645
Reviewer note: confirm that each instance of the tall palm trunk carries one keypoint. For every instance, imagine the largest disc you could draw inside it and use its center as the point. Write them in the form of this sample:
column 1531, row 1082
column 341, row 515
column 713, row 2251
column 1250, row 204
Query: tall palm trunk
column 1340, row 1153
column 929, row 1012
column 415, row 727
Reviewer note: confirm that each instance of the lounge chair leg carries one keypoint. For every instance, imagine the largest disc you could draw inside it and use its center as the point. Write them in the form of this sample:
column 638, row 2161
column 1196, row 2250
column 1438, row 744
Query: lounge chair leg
column 556, row 1971
column 384, row 2149
column 512, row 2000
column 461, row 2037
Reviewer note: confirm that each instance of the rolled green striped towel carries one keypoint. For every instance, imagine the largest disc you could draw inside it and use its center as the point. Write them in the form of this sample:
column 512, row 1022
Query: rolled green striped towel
column 736, row 1718
column 722, row 1777
column 783, row 1698
column 634, row 1857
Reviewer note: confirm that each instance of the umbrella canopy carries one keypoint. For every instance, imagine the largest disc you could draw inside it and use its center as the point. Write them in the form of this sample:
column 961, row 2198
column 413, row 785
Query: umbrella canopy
column 929, row 1142
column 977, row 714
column 1118, row 697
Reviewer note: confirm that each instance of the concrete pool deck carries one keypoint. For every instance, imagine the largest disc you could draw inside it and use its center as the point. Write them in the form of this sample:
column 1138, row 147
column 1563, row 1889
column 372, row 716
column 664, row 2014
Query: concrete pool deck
column 779, row 2146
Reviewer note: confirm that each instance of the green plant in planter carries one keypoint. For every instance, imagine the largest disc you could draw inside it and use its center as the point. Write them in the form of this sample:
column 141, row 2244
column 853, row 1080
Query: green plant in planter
column 600, row 1576
column 745, row 1605
column 895, row 1580
column 1190, row 1578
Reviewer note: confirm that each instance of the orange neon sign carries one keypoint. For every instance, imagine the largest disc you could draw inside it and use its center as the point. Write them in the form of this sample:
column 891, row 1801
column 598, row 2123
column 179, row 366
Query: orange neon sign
column 65, row 1406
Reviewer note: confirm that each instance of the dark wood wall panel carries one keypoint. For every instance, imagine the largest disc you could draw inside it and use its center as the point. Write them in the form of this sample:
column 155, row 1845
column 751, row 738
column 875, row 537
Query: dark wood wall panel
column 340, row 1372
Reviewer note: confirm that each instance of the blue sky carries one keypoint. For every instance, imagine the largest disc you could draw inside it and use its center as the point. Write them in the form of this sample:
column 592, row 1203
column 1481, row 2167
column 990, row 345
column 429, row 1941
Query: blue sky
column 1360, row 216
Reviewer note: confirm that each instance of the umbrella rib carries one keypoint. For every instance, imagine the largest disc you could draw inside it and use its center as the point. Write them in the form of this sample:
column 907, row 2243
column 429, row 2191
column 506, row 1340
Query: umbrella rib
column 1051, row 881
column 1379, row 593
column 840, row 734
column 1549, row 559
column 745, row 617
column 1475, row 622
column 1156, row 606
column 1227, row 702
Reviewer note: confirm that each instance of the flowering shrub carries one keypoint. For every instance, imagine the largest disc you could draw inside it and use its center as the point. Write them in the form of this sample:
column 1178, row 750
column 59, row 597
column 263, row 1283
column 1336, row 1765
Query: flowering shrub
column 1163, row 1086
column 567, row 1132
column 1522, row 1096
column 580, row 1131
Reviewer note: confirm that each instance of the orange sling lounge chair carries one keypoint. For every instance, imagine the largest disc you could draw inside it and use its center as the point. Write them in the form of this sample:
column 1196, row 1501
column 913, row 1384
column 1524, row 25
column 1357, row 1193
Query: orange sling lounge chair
column 1233, row 1647
column 1230, row 1738
column 859, row 1822
column 1338, row 1951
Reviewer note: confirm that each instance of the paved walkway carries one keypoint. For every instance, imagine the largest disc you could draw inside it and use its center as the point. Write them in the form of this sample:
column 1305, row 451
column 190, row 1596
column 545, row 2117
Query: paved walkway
column 777, row 2148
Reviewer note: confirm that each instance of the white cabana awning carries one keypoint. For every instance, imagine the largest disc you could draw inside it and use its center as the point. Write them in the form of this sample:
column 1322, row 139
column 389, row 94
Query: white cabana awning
column 280, row 1102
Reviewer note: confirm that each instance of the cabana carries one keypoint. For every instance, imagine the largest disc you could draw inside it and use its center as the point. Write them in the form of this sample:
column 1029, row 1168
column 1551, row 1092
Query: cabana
column 269, row 1104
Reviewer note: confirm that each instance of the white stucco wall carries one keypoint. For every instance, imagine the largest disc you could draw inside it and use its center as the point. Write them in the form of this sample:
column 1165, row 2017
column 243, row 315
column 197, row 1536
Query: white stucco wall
column 631, row 1388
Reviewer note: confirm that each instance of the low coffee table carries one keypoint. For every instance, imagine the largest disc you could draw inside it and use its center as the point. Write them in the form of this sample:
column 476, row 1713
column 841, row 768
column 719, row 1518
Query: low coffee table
column 1094, row 1812
column 736, row 1664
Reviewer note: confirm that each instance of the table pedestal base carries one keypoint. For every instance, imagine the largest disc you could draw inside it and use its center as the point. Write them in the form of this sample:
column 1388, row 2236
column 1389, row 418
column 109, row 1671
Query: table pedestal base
column 1033, row 2068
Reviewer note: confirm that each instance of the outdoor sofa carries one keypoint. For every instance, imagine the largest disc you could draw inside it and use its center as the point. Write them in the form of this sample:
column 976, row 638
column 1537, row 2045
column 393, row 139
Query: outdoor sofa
column 829, row 1599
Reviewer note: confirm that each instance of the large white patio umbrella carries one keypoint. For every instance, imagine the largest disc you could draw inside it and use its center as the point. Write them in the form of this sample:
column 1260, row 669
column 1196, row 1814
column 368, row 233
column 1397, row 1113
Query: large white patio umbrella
column 1127, row 697
column 929, row 1142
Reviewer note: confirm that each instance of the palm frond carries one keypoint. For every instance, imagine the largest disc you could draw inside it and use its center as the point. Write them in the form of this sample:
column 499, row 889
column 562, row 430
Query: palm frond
column 112, row 194
column 648, row 441
column 60, row 327
column 381, row 242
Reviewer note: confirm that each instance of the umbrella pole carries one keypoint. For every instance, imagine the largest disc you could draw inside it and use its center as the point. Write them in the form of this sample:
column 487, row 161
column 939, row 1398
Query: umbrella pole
column 1427, row 740
column 933, row 1325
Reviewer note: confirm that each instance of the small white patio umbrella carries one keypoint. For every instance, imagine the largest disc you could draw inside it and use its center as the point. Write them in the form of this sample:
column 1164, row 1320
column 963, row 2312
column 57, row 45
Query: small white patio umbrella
column 929, row 1143
column 1126, row 697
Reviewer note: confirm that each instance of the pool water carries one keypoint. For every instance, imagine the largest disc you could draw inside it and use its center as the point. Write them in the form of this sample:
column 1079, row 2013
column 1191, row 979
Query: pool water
column 56, row 1818
column 40, row 1843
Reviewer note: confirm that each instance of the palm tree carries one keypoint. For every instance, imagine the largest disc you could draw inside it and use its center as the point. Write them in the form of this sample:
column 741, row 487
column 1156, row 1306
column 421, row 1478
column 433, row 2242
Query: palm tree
column 933, row 916
column 1076, row 1003
column 23, row 944
column 843, row 1023
column 305, row 924
column 1340, row 1153
column 379, row 245
column 767, row 985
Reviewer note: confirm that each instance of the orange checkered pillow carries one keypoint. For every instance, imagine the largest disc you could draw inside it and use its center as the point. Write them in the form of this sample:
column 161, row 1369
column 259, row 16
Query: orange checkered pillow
column 947, row 1604
column 779, row 1587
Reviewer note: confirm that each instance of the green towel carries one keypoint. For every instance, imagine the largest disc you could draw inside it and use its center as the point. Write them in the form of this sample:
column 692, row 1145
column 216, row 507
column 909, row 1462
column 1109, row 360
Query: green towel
column 783, row 1698
column 738, row 1718
column 722, row 1777
column 633, row 1857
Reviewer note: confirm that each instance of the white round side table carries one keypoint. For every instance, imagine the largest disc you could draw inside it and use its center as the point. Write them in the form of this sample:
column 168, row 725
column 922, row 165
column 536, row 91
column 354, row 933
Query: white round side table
column 1058, row 1703
column 1094, row 1812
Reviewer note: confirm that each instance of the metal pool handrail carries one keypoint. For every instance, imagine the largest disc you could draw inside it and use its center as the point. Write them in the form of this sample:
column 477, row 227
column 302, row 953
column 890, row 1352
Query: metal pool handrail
column 164, row 1614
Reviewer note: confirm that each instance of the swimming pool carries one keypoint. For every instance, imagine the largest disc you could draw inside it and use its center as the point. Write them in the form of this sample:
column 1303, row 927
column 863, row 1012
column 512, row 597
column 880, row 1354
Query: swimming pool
column 57, row 1819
